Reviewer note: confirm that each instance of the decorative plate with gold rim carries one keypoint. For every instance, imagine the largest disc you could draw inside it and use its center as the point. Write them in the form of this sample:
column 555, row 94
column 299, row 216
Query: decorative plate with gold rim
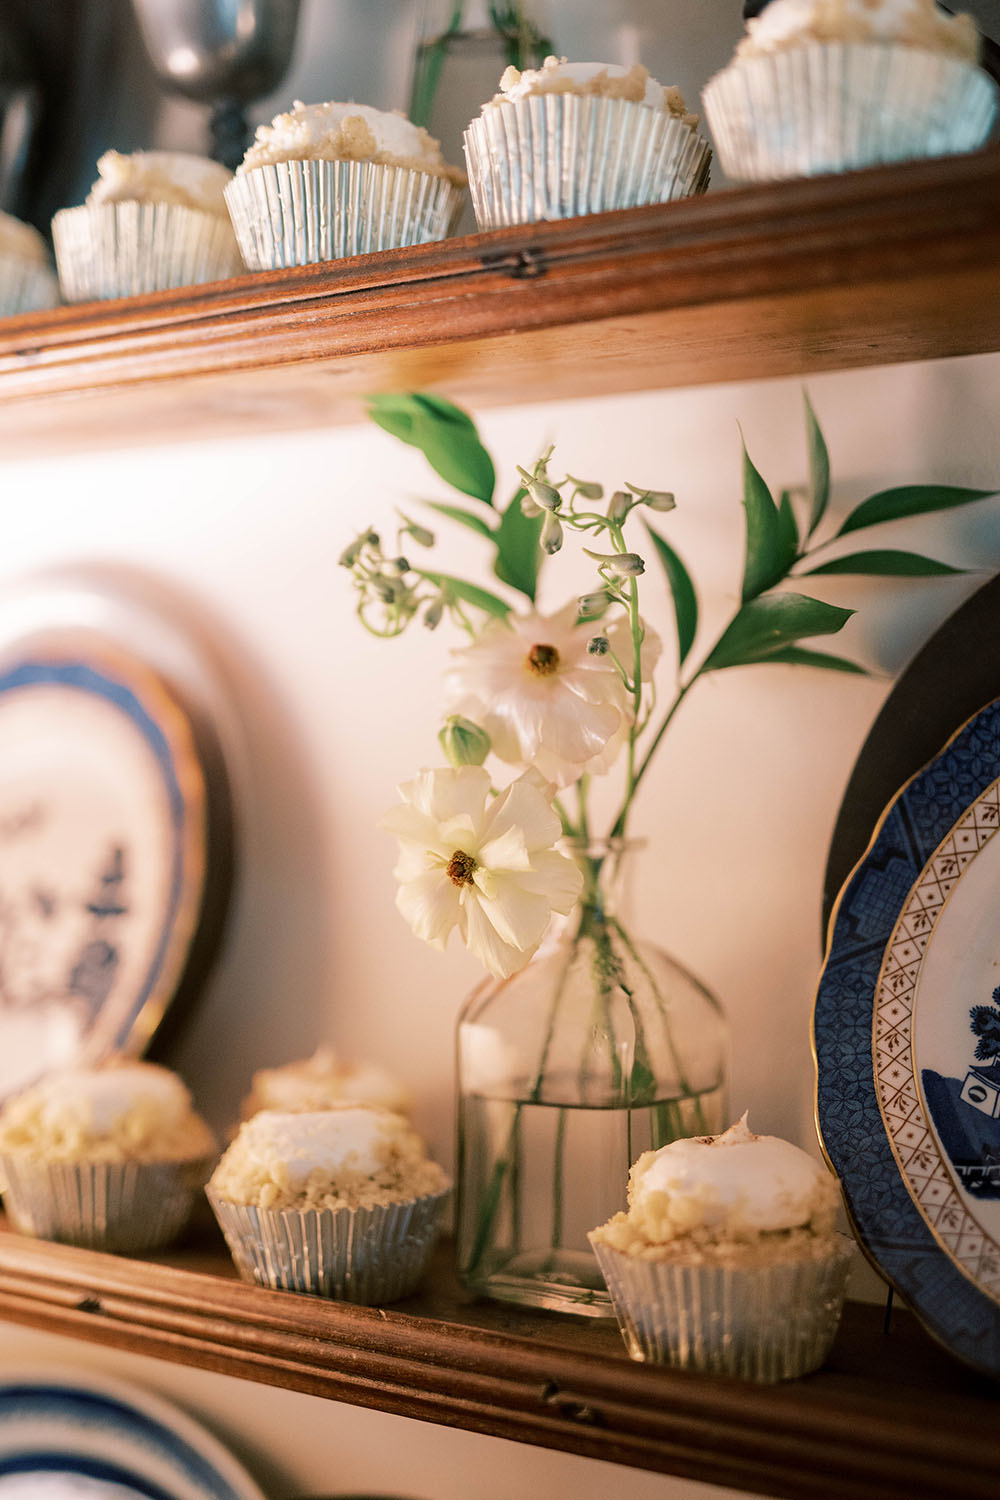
column 907, row 1038
column 113, row 847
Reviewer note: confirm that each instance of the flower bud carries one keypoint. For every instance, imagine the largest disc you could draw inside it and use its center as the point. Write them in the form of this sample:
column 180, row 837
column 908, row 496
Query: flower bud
column 552, row 534
column 619, row 564
column 463, row 742
column 655, row 499
column 586, row 488
column 619, row 505
column 401, row 564
column 592, row 604
column 434, row 613
column 350, row 554
column 546, row 496
column 420, row 534
column 598, row 645
column 385, row 589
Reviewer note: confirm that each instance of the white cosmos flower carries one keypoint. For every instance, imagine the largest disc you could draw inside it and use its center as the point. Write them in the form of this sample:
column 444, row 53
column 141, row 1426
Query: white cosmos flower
column 483, row 864
column 542, row 699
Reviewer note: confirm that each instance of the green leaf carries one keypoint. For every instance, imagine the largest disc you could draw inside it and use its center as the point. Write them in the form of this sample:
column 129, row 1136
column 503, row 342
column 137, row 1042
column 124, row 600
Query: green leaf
column 684, row 596
column 819, row 469
column 463, row 517
column 445, row 435
column 491, row 604
column 788, row 532
column 909, row 500
column 519, row 555
column 768, row 624
column 766, row 561
column 887, row 563
column 798, row 656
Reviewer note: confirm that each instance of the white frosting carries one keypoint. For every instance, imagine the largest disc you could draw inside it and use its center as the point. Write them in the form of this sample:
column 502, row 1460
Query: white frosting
column 345, row 132
column 162, row 177
column 606, row 80
column 95, row 1102
column 786, row 23
column 327, row 1142
column 736, row 1182
column 22, row 240
column 323, row 1079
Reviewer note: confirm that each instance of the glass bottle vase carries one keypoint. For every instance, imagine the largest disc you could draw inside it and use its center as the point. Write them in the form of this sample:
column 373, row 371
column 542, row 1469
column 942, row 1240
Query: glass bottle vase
column 600, row 1048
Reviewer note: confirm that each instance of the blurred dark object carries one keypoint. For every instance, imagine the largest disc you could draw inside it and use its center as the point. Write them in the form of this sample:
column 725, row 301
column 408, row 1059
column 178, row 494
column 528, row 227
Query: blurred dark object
column 222, row 54
column 94, row 89
column 20, row 106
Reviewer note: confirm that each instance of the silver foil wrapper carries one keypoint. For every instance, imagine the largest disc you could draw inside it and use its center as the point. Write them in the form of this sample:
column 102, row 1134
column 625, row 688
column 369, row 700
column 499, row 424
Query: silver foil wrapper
column 365, row 1255
column 26, row 286
column 119, row 1206
column 106, row 250
column 295, row 213
column 764, row 1324
column 837, row 106
column 554, row 156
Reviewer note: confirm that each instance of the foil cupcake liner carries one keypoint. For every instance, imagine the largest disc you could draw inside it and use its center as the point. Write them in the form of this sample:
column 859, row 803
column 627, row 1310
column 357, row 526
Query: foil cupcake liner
column 106, row 250
column 118, row 1206
column 839, row 106
column 26, row 286
column 365, row 1255
column 554, row 156
column 766, row 1323
column 295, row 213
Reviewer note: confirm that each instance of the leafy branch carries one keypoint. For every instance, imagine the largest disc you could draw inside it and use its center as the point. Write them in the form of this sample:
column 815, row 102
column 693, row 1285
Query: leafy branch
column 781, row 548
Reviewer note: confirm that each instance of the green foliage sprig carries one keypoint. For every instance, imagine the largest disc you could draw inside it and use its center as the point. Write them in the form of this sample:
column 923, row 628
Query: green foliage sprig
column 782, row 545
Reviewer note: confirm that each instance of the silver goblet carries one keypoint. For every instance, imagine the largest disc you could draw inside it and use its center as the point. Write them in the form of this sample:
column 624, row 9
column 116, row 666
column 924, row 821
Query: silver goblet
column 225, row 53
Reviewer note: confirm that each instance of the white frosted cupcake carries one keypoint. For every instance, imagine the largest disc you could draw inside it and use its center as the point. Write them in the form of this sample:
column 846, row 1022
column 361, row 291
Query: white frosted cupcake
column 325, row 181
column 111, row 1157
column 727, row 1260
column 581, row 138
column 152, row 220
column 321, row 1080
column 341, row 1202
column 820, row 86
column 27, row 281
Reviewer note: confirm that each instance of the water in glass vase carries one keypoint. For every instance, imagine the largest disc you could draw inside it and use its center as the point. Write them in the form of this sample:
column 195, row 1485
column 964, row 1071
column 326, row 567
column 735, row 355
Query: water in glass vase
column 601, row 1047
column 537, row 1175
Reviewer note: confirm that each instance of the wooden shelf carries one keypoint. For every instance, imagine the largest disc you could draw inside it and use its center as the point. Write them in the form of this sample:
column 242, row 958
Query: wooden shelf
column 890, row 264
column 891, row 1416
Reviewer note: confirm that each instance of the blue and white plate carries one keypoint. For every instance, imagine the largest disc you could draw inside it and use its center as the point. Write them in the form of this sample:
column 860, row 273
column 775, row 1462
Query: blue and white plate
column 906, row 1031
column 75, row 1436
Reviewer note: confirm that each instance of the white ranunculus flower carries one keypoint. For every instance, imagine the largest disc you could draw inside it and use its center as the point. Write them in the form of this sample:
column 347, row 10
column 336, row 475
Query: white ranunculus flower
column 542, row 699
column 483, row 864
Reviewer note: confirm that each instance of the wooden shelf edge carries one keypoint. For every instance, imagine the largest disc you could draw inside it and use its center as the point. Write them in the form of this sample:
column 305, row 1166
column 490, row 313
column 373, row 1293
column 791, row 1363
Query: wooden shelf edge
column 557, row 1382
column 876, row 266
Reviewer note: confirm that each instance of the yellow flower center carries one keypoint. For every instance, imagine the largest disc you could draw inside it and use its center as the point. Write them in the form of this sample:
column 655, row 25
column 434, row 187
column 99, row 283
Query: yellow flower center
column 461, row 868
column 542, row 661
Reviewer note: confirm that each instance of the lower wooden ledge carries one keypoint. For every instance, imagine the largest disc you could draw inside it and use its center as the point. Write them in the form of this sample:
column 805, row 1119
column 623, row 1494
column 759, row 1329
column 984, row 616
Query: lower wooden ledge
column 890, row 1416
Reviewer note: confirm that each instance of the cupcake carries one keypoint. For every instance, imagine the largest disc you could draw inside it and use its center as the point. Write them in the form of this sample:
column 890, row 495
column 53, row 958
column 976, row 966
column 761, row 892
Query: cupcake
column 580, row 138
column 832, row 85
column 321, row 1080
column 152, row 220
column 112, row 1157
column 727, row 1260
column 330, row 180
column 27, row 280
column 341, row 1202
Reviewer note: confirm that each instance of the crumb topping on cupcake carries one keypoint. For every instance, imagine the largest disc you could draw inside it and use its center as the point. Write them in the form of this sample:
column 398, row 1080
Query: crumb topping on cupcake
column 321, row 1080
column 909, row 23
column 346, row 1156
column 715, row 1196
column 606, row 80
column 123, row 1111
column 176, row 177
column 348, row 132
